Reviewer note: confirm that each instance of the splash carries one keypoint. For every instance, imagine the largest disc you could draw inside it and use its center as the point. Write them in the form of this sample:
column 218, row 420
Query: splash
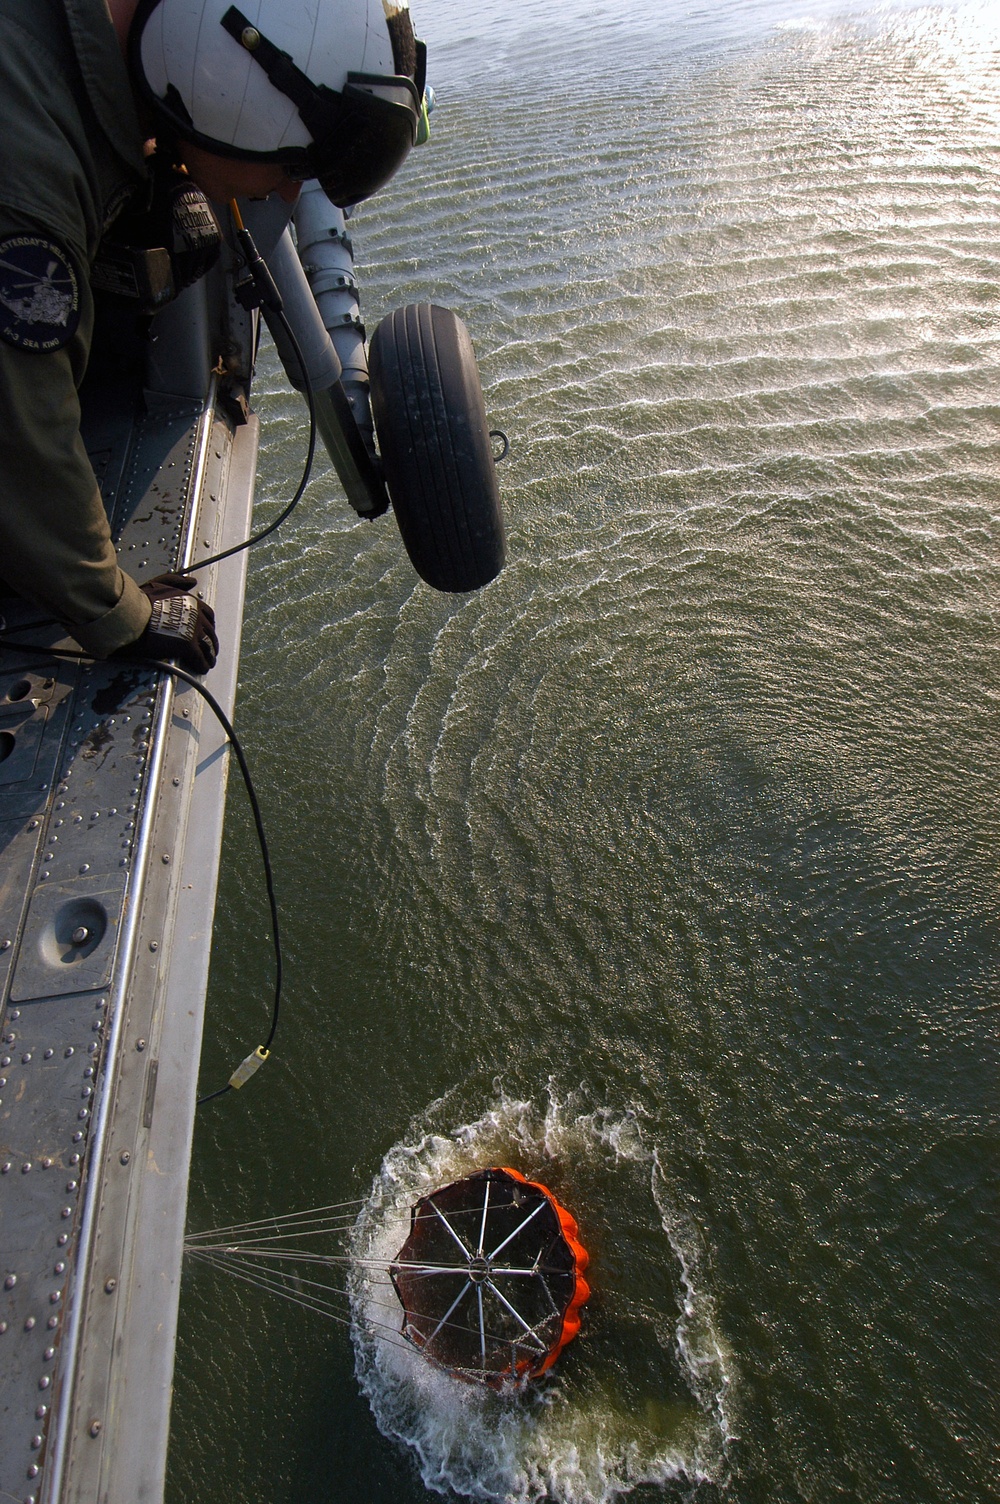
column 643, row 1399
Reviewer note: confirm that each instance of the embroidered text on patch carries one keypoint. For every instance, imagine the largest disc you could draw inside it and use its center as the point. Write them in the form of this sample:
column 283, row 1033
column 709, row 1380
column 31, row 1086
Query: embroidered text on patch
column 39, row 294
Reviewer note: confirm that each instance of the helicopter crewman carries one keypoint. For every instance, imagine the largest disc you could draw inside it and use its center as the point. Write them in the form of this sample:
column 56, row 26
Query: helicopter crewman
column 237, row 107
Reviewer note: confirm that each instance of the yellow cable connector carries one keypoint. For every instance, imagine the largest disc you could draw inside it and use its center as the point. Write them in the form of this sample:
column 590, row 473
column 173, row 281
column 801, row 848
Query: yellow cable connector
column 241, row 1075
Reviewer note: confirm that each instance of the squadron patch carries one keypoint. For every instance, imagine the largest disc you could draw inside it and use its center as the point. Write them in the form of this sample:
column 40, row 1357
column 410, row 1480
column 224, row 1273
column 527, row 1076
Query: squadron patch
column 39, row 294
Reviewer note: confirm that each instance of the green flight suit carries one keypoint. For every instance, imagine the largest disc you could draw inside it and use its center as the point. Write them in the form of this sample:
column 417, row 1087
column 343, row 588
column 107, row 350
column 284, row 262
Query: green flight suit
column 71, row 154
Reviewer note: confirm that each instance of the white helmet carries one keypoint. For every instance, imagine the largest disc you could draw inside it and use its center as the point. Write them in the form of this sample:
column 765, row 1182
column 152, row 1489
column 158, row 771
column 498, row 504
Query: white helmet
column 330, row 89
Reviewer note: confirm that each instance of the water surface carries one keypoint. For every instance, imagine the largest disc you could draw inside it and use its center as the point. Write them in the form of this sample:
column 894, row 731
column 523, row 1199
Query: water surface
column 666, row 866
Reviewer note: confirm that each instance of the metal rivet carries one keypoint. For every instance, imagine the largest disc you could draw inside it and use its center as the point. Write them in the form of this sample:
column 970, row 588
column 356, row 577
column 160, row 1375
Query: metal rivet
column 71, row 1185
column 62, row 1239
column 26, row 1168
column 44, row 1381
column 67, row 1211
column 95, row 1428
column 69, row 1051
column 29, row 1325
column 36, row 1442
column 154, row 945
column 48, row 1054
column 84, row 867
column 49, row 1354
column 60, row 1267
column 33, row 1470
column 165, row 859
column 46, row 1164
column 15, row 1012
column 52, row 1323
column 41, row 1412
column 5, row 1167
column 5, row 1060
column 25, row 1059
column 55, row 1297
column 125, row 1157
column 3, row 1327
column 10, row 1282
column 109, row 1285
column 80, row 935
column 140, row 1045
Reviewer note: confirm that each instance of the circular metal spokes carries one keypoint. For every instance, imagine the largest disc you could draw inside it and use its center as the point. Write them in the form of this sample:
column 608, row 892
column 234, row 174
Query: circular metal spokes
column 485, row 1276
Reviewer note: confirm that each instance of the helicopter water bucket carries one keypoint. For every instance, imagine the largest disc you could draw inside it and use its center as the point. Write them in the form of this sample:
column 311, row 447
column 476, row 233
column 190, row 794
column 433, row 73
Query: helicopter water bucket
column 490, row 1277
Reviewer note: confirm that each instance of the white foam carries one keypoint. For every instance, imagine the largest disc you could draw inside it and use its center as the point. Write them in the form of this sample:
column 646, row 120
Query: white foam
column 575, row 1438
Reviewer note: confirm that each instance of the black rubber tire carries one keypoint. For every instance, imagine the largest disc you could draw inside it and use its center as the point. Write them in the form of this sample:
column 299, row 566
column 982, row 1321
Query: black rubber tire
column 437, row 458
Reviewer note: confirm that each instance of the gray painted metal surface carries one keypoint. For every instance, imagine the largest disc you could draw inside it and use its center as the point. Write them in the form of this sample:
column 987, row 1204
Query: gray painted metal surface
column 111, row 806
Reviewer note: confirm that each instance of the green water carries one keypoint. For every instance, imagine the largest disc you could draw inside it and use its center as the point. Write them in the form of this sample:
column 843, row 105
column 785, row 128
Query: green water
column 666, row 866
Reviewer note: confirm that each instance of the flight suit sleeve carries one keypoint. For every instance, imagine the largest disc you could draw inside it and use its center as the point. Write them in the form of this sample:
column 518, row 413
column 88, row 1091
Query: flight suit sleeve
column 55, row 541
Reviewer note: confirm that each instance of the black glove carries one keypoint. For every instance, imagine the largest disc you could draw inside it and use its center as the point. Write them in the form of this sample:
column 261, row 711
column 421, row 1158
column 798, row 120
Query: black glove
column 181, row 627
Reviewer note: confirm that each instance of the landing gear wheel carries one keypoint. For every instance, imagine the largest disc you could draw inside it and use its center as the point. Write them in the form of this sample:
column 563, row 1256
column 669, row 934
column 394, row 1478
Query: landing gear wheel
column 434, row 439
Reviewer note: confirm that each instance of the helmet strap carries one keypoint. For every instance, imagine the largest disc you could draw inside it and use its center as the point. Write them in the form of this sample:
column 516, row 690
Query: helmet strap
column 309, row 98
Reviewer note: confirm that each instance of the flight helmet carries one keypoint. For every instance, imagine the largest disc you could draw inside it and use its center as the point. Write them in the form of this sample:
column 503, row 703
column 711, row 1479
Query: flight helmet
column 328, row 89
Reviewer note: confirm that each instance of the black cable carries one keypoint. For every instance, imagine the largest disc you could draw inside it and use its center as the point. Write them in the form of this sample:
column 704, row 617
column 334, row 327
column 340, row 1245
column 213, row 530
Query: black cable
column 257, row 290
column 266, row 532
column 234, row 741
column 267, row 293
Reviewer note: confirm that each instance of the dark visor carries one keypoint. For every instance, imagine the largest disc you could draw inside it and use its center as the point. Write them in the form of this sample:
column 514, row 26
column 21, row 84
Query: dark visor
column 369, row 134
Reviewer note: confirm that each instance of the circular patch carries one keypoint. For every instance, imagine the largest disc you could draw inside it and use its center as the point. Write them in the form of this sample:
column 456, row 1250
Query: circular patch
column 39, row 294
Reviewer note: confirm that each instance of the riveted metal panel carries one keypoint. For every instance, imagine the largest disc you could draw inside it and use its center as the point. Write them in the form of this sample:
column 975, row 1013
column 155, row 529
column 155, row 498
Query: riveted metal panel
column 108, row 782
column 51, row 1063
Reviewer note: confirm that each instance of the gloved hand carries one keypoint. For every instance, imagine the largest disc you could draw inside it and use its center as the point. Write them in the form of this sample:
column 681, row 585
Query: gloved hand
column 181, row 627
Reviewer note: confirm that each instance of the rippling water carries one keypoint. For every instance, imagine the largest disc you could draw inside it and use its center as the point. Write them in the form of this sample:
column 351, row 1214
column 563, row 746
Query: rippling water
column 666, row 866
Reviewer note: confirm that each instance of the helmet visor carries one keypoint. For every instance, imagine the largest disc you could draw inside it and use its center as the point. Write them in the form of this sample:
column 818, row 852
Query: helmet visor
column 368, row 130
